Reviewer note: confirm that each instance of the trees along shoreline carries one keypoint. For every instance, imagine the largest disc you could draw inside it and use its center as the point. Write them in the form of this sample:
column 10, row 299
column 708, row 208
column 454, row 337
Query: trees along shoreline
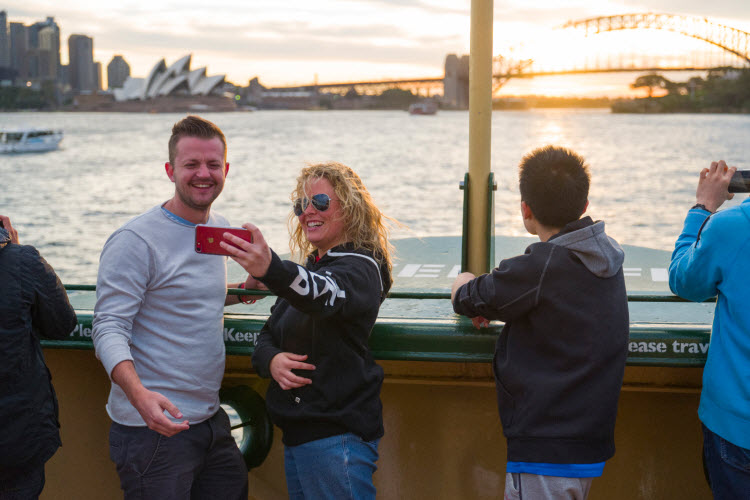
column 724, row 90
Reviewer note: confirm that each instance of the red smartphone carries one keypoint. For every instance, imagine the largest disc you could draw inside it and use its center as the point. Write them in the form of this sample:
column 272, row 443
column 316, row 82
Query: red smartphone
column 207, row 238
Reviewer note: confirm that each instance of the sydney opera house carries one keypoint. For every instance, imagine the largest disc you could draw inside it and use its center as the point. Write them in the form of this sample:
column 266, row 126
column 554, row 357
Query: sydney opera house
column 175, row 80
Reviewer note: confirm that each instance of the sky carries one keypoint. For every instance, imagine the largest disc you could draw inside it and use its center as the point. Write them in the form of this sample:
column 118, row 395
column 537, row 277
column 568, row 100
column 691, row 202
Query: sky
column 300, row 41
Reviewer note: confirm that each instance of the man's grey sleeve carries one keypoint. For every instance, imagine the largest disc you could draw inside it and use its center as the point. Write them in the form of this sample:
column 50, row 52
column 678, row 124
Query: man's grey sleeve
column 124, row 271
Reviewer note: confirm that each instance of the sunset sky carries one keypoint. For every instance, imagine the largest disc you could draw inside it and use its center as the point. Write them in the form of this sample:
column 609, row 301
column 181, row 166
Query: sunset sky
column 295, row 41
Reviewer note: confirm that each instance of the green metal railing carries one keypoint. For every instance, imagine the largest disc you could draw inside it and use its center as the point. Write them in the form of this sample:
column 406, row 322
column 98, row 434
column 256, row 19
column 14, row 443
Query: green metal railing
column 447, row 336
column 633, row 297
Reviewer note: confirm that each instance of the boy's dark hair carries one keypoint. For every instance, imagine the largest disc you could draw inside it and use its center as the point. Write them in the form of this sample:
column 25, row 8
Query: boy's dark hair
column 194, row 126
column 554, row 183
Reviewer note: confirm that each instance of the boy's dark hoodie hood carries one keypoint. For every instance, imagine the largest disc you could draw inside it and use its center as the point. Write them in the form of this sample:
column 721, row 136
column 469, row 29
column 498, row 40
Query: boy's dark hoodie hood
column 601, row 255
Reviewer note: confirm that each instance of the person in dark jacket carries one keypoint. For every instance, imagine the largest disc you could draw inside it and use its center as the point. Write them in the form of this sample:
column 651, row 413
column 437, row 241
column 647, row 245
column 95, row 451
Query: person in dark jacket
column 325, row 392
column 33, row 304
column 560, row 359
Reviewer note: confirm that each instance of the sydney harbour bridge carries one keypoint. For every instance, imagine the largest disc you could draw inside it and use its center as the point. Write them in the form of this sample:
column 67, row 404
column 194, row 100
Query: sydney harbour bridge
column 728, row 48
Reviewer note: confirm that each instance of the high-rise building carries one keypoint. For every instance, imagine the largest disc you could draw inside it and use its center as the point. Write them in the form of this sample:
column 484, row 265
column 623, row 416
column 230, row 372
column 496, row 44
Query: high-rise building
column 81, row 63
column 97, row 76
column 456, row 81
column 65, row 77
column 43, row 46
column 35, row 28
column 118, row 70
column 49, row 41
column 38, row 64
column 4, row 41
column 19, row 44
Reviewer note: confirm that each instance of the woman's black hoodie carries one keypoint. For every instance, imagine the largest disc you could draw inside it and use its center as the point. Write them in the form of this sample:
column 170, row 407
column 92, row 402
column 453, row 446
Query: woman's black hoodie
column 325, row 310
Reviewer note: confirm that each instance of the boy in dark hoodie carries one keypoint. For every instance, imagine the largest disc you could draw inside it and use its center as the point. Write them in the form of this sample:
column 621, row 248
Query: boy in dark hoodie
column 560, row 359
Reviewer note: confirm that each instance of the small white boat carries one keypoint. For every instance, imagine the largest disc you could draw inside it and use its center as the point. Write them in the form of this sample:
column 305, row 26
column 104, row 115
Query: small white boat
column 29, row 140
column 423, row 108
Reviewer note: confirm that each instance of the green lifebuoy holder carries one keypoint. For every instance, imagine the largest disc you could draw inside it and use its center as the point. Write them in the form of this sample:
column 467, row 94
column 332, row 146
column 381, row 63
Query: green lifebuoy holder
column 249, row 416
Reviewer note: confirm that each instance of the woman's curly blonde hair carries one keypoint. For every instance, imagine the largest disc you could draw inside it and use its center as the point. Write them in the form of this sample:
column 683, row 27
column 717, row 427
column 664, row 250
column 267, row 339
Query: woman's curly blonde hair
column 365, row 226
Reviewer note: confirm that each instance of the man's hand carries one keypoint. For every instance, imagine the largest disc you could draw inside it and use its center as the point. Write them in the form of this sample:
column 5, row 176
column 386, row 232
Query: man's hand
column 281, row 370
column 7, row 225
column 150, row 404
column 713, row 185
column 461, row 280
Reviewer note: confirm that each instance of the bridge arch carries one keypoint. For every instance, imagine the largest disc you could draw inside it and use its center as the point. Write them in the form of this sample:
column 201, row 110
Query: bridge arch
column 727, row 38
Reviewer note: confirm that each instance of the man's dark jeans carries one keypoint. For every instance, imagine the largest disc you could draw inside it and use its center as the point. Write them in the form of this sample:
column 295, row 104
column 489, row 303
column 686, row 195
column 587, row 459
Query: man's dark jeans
column 200, row 463
column 728, row 467
column 21, row 483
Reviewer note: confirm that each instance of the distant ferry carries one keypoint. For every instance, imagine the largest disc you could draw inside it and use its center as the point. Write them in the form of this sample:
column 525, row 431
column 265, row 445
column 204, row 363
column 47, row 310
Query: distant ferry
column 423, row 108
column 29, row 140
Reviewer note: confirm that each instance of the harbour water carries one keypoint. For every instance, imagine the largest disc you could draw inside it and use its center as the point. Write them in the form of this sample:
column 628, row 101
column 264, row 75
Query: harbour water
column 111, row 167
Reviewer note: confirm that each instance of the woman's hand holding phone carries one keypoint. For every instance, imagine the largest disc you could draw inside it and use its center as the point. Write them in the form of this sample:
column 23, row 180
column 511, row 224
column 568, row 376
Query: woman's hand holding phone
column 254, row 256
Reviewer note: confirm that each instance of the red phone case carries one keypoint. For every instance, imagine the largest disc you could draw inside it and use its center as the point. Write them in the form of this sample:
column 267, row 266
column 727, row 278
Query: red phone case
column 207, row 238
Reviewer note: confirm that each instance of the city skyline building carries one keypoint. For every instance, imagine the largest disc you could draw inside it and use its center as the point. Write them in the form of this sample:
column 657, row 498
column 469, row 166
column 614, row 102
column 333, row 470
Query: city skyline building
column 45, row 35
column 34, row 57
column 118, row 70
column 81, row 63
column 97, row 76
column 49, row 41
column 4, row 41
column 35, row 28
column 19, row 44
column 456, row 81
column 38, row 63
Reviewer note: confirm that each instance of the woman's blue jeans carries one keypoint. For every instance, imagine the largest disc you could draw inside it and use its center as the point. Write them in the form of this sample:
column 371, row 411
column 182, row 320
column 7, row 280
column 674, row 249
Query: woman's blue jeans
column 339, row 467
column 728, row 467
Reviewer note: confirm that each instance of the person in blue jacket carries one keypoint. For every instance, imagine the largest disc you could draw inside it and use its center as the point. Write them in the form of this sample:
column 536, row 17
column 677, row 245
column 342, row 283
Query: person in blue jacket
column 712, row 258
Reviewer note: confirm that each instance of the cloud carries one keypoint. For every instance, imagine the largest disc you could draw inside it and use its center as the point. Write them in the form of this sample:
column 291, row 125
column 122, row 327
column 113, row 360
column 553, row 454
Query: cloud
column 304, row 44
column 737, row 9
column 436, row 8
column 345, row 33
column 292, row 40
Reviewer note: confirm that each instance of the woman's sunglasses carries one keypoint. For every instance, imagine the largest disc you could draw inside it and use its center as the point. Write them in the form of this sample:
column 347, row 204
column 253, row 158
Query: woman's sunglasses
column 320, row 202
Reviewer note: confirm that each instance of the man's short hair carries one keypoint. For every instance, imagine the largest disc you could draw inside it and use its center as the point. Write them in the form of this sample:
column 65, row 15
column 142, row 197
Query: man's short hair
column 194, row 126
column 554, row 183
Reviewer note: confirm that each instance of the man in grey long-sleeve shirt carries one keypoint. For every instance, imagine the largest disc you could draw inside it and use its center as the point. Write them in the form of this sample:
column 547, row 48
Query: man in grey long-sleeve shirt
column 158, row 330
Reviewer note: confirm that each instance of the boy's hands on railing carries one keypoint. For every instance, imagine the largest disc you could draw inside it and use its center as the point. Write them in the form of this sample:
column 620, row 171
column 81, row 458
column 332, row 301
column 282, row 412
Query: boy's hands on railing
column 480, row 322
column 460, row 281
